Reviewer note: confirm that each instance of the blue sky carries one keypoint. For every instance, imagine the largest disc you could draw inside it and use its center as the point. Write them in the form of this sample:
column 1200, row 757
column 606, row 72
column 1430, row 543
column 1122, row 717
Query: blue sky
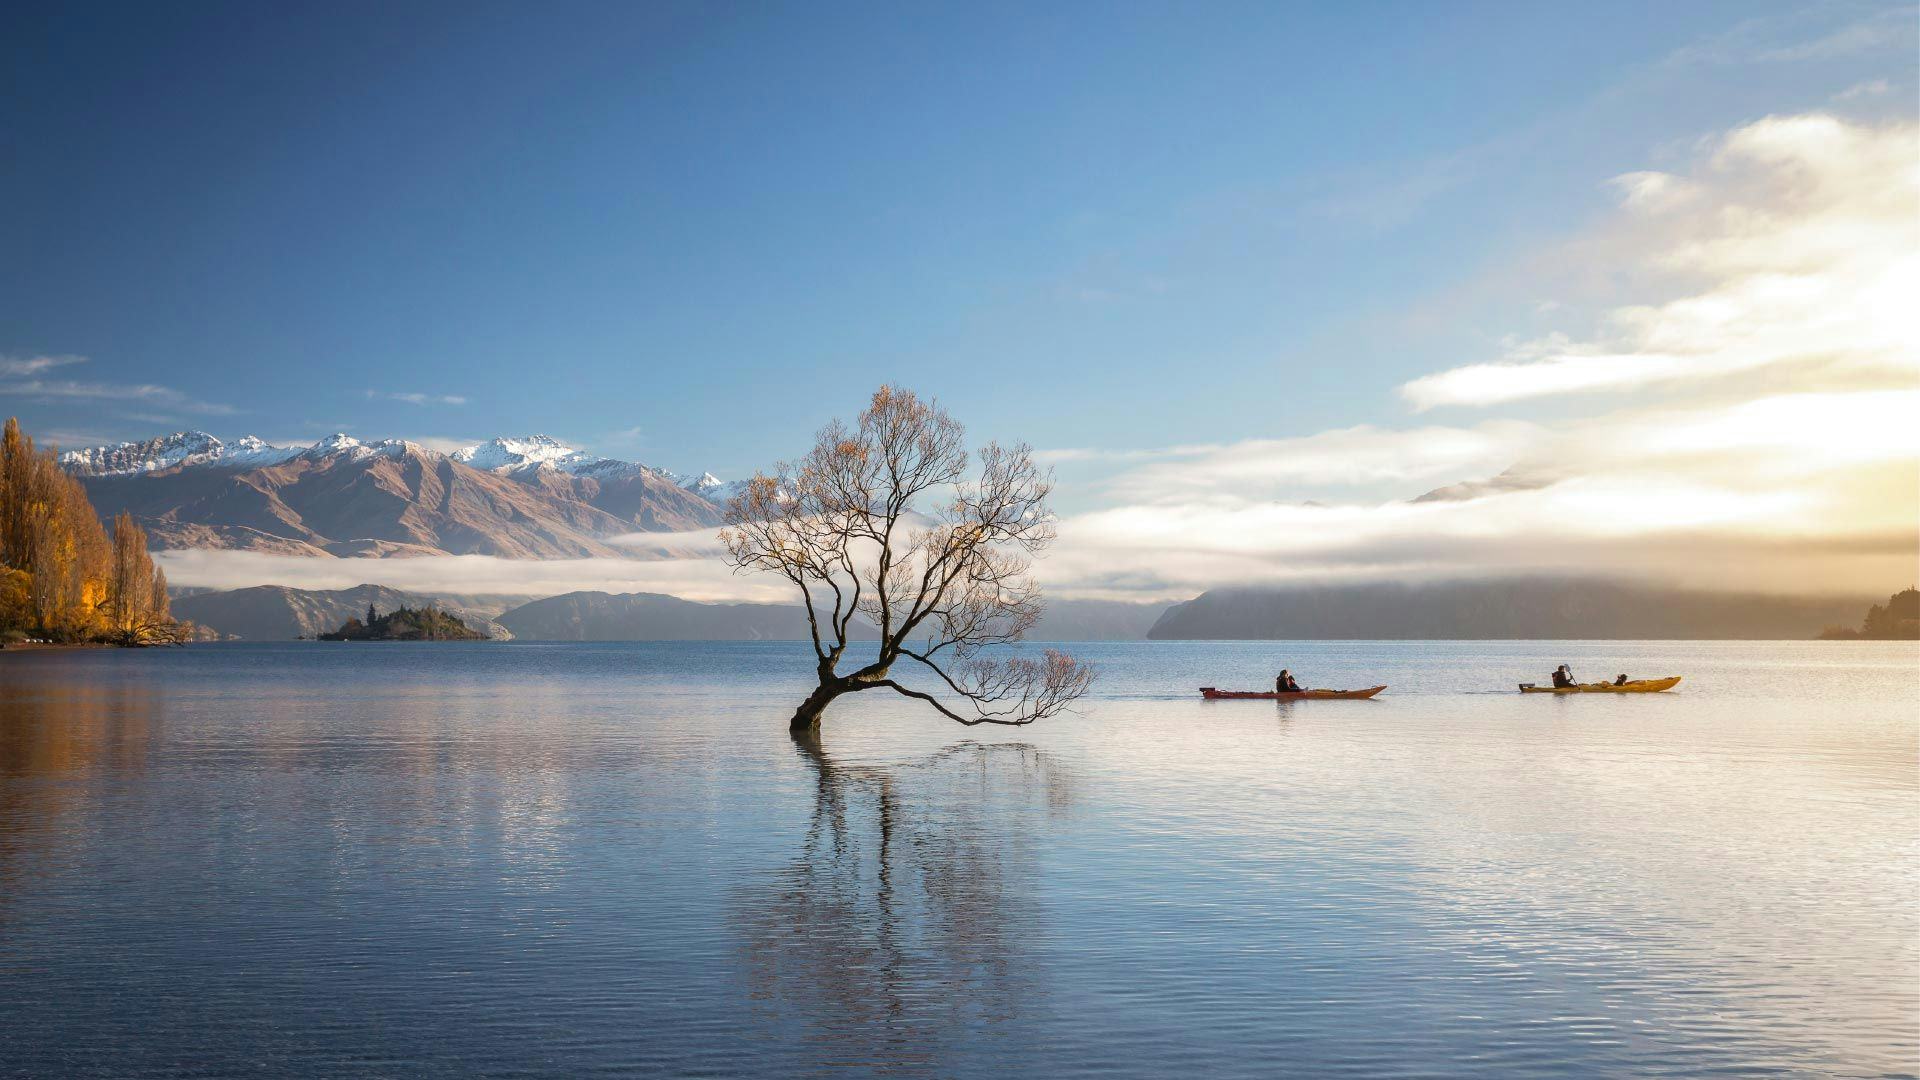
column 690, row 234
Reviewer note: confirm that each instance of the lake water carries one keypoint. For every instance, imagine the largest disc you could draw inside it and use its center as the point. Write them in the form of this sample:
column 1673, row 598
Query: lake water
column 524, row 859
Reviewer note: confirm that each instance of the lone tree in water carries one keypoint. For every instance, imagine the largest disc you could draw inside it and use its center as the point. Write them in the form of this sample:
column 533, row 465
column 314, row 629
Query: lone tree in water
column 940, row 584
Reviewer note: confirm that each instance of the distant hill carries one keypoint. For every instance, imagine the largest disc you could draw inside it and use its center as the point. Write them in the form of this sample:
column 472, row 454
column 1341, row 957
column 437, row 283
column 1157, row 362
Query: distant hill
column 599, row 616
column 1518, row 609
column 1096, row 620
column 277, row 613
column 1897, row 620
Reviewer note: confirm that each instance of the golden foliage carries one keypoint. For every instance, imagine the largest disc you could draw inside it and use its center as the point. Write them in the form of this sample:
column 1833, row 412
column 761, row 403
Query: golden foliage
column 61, row 578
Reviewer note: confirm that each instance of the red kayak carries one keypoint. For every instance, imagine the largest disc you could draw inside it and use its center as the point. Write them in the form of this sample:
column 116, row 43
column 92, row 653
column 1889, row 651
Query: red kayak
column 1211, row 694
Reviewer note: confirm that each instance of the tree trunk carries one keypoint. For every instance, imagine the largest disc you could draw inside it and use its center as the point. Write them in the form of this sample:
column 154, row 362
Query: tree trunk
column 807, row 716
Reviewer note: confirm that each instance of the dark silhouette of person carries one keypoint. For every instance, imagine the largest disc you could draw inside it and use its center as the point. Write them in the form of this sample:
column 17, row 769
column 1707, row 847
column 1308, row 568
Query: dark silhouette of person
column 1563, row 677
column 1286, row 683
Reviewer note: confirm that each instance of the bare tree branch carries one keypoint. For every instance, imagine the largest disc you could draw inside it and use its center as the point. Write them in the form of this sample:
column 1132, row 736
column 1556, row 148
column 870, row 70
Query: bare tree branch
column 847, row 520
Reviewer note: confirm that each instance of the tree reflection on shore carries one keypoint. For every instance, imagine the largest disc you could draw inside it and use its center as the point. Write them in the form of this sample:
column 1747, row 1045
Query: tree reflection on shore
column 900, row 928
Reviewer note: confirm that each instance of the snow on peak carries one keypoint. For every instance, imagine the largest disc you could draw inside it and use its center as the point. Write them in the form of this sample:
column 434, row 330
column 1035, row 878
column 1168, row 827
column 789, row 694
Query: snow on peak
column 248, row 452
column 510, row 455
column 337, row 443
column 178, row 450
column 531, row 453
column 710, row 487
column 342, row 445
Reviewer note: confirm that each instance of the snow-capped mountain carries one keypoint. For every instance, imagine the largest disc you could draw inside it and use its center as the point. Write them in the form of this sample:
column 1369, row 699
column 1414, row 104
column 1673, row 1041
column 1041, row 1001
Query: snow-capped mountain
column 512, row 456
column 705, row 484
column 506, row 455
column 712, row 488
column 181, row 449
column 526, row 454
column 531, row 497
column 342, row 445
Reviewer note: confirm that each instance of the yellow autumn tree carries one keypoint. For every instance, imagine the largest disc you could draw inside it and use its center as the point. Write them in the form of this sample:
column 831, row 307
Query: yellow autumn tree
column 60, row 576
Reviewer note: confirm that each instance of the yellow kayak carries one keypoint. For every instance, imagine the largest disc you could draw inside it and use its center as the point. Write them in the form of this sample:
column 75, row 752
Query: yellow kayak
column 1637, row 686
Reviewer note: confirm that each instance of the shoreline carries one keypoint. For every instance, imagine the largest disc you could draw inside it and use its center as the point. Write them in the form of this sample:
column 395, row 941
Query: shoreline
column 55, row 646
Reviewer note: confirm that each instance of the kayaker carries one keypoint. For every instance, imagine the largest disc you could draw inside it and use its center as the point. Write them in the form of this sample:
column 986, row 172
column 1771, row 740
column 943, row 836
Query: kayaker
column 1621, row 681
column 1286, row 683
column 1563, row 677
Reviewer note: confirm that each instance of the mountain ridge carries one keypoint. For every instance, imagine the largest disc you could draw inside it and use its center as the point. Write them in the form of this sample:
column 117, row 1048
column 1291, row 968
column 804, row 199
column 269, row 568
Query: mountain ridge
column 1500, row 609
column 534, row 498
column 590, row 615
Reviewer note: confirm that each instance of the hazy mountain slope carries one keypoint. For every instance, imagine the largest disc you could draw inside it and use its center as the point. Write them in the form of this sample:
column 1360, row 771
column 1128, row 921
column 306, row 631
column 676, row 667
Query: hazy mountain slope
column 1566, row 609
column 419, row 497
column 1096, row 620
column 648, row 499
column 647, row 502
column 599, row 616
column 277, row 613
column 406, row 496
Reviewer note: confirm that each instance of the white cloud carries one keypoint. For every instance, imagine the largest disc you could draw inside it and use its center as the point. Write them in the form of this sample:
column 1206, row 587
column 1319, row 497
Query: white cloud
column 442, row 444
column 1652, row 192
column 1497, row 384
column 34, row 365
column 1776, row 358
column 1800, row 249
column 71, row 390
column 19, row 376
column 692, row 579
column 1793, row 492
column 627, row 438
column 416, row 398
column 1074, row 454
column 1345, row 457
column 1805, row 34
column 1890, row 27
column 1870, row 88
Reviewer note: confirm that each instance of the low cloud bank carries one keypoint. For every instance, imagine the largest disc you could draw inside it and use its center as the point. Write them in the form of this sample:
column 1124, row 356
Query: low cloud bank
column 1802, row 493
column 691, row 579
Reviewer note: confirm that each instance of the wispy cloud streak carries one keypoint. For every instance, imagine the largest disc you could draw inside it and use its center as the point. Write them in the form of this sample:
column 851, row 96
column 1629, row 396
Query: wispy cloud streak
column 416, row 398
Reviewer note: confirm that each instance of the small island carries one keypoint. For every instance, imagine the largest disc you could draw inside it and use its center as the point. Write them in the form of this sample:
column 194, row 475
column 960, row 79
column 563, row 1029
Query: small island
column 405, row 624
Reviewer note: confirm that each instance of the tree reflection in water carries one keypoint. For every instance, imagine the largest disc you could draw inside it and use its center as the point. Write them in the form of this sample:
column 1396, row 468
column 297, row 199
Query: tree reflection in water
column 901, row 927
column 54, row 736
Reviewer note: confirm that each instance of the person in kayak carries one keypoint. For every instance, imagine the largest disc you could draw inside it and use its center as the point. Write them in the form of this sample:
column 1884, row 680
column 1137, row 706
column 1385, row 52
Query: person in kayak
column 1621, row 681
column 1287, row 684
column 1563, row 677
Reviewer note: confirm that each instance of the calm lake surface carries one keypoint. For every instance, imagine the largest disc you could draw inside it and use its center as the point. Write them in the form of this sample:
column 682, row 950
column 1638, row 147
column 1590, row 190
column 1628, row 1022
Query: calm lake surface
column 529, row 859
